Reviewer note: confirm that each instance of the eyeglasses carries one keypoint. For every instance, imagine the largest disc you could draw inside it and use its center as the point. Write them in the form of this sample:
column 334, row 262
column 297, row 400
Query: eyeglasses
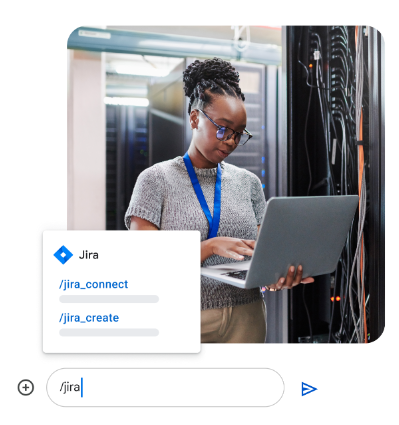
column 226, row 133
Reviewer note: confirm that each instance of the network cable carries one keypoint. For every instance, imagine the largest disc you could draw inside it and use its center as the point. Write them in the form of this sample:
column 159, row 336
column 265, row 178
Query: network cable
column 340, row 104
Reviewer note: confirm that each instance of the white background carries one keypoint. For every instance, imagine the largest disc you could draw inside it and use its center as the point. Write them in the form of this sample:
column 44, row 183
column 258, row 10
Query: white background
column 355, row 383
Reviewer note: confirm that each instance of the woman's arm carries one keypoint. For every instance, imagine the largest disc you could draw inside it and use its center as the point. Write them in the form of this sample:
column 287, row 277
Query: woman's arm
column 137, row 223
column 225, row 247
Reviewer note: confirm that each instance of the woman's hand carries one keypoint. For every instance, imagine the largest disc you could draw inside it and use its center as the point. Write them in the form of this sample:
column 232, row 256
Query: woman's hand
column 292, row 279
column 227, row 247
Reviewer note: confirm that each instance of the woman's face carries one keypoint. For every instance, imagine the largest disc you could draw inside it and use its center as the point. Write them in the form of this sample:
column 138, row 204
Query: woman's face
column 226, row 111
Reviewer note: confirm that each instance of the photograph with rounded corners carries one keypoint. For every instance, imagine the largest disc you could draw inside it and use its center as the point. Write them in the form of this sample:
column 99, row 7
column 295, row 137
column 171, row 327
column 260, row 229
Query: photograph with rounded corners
column 269, row 141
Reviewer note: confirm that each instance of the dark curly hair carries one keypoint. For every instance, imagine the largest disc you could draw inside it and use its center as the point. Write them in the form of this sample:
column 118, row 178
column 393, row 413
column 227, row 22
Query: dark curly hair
column 217, row 75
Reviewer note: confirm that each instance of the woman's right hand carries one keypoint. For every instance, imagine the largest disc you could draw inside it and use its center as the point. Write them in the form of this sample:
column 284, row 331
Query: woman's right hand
column 227, row 247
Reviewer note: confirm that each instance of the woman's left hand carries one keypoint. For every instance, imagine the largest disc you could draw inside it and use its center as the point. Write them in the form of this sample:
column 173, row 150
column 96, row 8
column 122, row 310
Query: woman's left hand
column 292, row 279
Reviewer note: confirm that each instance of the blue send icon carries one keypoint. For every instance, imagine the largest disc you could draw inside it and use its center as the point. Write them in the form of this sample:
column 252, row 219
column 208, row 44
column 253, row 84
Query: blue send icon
column 307, row 389
column 63, row 255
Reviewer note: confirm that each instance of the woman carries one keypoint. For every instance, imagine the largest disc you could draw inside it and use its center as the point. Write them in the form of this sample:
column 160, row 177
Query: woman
column 168, row 197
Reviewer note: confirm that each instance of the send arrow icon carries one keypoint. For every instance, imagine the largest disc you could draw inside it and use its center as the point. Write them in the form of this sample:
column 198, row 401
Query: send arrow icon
column 307, row 389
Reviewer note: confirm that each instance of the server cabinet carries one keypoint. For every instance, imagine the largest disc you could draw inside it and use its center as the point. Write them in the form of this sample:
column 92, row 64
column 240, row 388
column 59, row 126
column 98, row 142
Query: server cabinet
column 126, row 158
column 325, row 152
column 166, row 117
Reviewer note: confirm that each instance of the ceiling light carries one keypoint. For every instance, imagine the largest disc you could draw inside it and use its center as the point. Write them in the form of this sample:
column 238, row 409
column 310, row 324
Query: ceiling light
column 130, row 101
column 140, row 70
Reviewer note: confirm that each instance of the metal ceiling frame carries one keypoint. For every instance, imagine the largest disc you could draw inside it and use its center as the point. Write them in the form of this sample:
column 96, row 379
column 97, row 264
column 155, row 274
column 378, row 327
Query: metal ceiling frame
column 141, row 43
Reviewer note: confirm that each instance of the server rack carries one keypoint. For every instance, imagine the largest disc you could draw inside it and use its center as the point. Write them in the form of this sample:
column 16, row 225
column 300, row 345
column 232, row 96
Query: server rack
column 126, row 158
column 166, row 117
column 321, row 297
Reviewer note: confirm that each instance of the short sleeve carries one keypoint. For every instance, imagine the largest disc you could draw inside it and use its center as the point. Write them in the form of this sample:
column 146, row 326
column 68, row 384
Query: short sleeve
column 147, row 198
column 258, row 199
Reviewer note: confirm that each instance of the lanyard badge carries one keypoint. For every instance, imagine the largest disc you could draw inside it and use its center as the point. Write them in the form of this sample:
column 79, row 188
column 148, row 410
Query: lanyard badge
column 213, row 222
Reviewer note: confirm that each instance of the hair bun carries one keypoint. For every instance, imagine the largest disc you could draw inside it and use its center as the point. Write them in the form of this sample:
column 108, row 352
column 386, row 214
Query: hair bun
column 215, row 74
column 209, row 69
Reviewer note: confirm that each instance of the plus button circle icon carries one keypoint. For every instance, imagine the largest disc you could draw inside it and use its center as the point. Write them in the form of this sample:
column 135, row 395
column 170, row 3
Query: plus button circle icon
column 25, row 387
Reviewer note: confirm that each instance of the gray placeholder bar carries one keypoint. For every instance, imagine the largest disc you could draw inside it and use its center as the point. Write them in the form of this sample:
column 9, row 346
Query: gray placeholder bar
column 109, row 299
column 109, row 332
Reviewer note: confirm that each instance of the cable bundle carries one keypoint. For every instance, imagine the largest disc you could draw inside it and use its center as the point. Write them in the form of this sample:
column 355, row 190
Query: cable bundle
column 360, row 325
column 340, row 106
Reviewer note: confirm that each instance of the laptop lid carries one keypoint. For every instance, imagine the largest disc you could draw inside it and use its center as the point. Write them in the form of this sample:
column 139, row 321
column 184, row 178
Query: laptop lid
column 301, row 230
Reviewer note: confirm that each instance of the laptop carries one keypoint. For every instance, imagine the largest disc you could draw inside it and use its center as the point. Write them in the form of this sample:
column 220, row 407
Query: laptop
column 310, row 231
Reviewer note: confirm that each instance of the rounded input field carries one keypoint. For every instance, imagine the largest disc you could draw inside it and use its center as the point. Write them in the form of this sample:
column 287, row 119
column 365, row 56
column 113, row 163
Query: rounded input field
column 165, row 387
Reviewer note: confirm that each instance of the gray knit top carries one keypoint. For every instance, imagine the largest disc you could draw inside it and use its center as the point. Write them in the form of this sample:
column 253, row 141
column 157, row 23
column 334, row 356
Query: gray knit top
column 164, row 195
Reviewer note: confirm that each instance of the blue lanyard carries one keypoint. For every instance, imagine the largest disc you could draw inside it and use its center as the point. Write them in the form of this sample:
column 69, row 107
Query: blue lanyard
column 213, row 222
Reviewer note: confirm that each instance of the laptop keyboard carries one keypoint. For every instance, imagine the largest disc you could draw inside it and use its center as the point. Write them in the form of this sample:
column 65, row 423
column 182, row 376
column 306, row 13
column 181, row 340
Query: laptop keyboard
column 241, row 274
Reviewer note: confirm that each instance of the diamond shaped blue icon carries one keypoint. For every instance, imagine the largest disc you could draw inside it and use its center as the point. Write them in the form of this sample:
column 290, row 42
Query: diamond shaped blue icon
column 63, row 255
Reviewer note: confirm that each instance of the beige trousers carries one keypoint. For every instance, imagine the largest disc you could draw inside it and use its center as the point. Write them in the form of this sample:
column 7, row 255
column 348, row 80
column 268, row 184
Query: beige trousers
column 240, row 324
